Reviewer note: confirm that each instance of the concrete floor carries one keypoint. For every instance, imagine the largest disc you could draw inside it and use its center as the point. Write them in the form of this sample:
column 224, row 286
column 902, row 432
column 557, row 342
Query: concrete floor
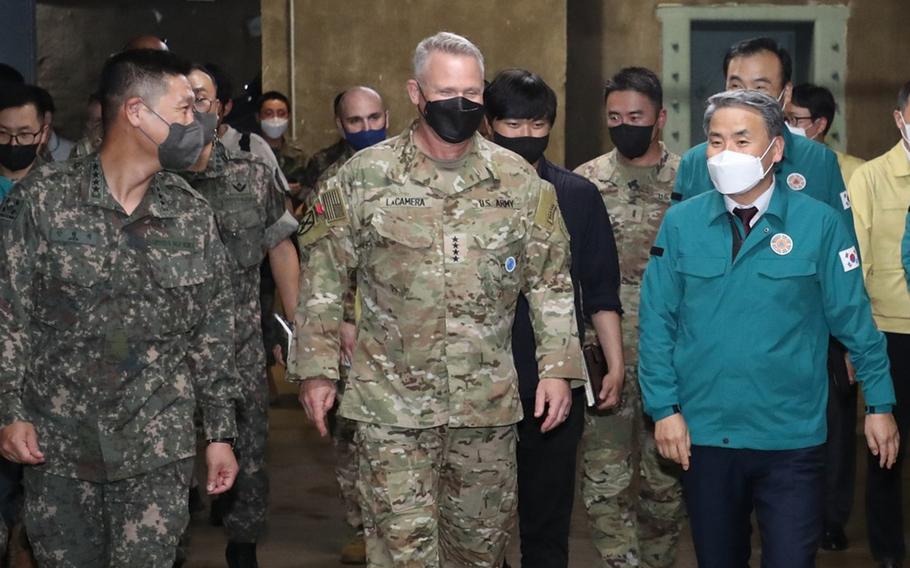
column 308, row 529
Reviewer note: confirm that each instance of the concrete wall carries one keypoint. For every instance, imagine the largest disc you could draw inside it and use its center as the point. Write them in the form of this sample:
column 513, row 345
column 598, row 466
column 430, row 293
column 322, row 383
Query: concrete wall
column 75, row 37
column 606, row 35
column 372, row 42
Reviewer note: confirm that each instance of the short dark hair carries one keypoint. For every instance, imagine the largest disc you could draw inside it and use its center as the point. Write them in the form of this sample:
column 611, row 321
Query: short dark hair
column 19, row 95
column 336, row 103
column 819, row 101
column 903, row 96
column 222, row 82
column 518, row 93
column 9, row 75
column 46, row 101
column 137, row 72
column 272, row 96
column 755, row 45
column 640, row 80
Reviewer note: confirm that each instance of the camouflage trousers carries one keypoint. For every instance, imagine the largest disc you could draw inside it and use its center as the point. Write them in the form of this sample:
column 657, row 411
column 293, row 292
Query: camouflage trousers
column 438, row 496
column 246, row 504
column 630, row 527
column 344, row 433
column 135, row 522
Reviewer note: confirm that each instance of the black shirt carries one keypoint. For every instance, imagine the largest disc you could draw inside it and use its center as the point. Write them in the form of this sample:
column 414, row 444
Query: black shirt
column 594, row 268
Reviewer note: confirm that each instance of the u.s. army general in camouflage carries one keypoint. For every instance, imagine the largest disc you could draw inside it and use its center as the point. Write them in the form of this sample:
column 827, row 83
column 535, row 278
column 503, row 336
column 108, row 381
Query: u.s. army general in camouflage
column 630, row 529
column 113, row 327
column 248, row 201
column 439, row 257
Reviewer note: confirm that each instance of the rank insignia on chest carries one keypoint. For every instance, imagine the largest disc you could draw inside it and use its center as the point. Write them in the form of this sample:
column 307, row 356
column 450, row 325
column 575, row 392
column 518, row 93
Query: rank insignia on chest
column 455, row 248
column 11, row 208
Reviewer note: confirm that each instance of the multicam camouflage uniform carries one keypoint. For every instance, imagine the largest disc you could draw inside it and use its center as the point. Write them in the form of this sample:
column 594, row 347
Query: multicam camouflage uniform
column 249, row 208
column 629, row 529
column 113, row 328
column 439, row 253
column 323, row 166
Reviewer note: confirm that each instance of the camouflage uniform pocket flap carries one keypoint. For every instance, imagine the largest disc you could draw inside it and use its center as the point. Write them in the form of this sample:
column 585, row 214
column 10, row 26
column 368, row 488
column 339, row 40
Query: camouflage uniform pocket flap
column 180, row 270
column 497, row 240
column 410, row 233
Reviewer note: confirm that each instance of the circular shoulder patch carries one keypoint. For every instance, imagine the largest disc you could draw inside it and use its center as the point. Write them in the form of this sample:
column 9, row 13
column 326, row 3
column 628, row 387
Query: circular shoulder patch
column 796, row 181
column 781, row 244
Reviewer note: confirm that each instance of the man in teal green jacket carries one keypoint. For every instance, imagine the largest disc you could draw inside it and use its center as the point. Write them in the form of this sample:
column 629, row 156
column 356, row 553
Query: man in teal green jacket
column 743, row 288
column 808, row 167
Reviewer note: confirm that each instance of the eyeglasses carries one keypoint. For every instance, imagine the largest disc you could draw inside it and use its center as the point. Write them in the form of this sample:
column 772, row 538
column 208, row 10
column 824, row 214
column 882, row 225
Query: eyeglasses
column 22, row 138
column 203, row 104
column 793, row 120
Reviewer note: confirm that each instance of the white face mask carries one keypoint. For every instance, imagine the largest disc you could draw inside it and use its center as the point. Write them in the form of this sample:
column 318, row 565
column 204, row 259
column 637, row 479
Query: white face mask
column 906, row 132
column 274, row 127
column 734, row 173
column 797, row 130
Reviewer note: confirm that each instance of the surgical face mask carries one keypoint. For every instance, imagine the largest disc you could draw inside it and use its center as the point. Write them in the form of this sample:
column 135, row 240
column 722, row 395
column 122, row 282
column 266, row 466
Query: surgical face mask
column 209, row 123
column 364, row 138
column 455, row 119
column 274, row 128
column 734, row 173
column 631, row 141
column 18, row 157
column 797, row 130
column 531, row 148
column 183, row 144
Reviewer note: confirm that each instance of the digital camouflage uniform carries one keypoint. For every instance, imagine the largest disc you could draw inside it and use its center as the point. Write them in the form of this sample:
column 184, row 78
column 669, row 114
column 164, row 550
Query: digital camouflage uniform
column 439, row 255
column 630, row 529
column 249, row 208
column 113, row 328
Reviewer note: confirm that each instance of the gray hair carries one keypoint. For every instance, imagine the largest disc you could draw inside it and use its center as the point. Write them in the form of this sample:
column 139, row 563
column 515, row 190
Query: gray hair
column 446, row 42
column 768, row 107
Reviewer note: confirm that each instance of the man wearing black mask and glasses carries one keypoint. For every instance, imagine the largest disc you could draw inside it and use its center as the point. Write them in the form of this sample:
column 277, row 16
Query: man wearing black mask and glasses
column 22, row 132
column 521, row 109
column 439, row 230
column 635, row 180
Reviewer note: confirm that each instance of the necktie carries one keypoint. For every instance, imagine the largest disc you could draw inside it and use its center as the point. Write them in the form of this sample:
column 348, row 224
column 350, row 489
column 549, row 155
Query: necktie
column 746, row 215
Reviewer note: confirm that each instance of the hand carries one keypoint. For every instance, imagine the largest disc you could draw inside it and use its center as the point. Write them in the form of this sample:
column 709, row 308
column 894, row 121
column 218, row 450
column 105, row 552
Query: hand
column 317, row 397
column 851, row 371
column 222, row 468
column 348, row 334
column 883, row 438
column 611, row 391
column 672, row 437
column 278, row 353
column 557, row 396
column 19, row 443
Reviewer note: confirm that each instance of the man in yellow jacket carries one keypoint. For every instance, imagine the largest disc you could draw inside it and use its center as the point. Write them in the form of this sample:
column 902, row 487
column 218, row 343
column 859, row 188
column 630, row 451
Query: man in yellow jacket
column 880, row 193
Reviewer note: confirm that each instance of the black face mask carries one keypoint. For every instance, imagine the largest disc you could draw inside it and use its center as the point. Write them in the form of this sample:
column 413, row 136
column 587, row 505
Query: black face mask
column 454, row 120
column 530, row 148
column 631, row 141
column 15, row 158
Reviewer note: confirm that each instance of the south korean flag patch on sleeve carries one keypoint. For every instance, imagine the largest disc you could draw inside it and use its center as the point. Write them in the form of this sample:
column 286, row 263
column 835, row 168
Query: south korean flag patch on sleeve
column 849, row 259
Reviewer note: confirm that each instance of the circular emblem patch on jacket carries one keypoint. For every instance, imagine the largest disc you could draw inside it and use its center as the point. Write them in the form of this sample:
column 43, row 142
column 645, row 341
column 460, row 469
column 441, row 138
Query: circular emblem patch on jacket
column 796, row 181
column 781, row 244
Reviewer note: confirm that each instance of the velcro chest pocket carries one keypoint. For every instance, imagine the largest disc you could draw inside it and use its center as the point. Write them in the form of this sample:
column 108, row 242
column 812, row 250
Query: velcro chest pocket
column 68, row 280
column 399, row 248
column 242, row 232
column 501, row 258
